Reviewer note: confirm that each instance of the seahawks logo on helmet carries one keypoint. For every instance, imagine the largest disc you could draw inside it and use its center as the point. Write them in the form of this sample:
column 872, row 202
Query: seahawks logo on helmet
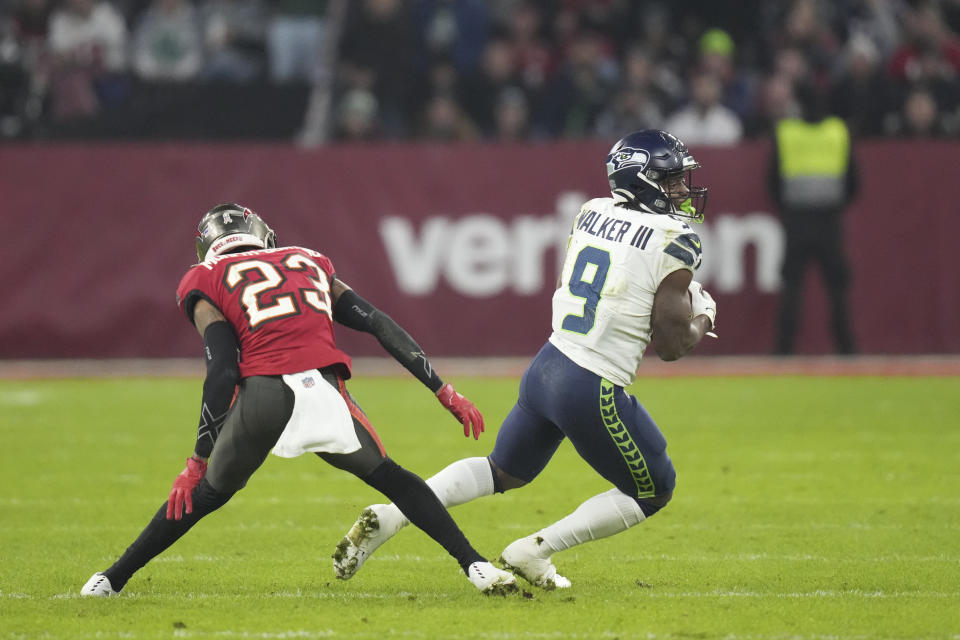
column 627, row 158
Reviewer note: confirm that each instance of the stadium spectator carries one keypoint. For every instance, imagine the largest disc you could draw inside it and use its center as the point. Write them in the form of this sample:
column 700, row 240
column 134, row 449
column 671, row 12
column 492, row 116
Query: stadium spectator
column 532, row 57
column 478, row 91
column 705, row 121
column 776, row 102
column 14, row 79
column 23, row 81
column 640, row 73
column 88, row 32
column 630, row 109
column 803, row 29
column 234, row 35
column 920, row 117
column 408, row 52
column 717, row 57
column 276, row 382
column 656, row 30
column 357, row 118
column 445, row 121
column 511, row 116
column 860, row 92
column 792, row 64
column 87, row 44
column 563, row 27
column 930, row 56
column 878, row 20
column 442, row 76
column 456, row 30
column 930, row 50
column 378, row 51
column 131, row 10
column 167, row 42
column 295, row 35
column 31, row 18
column 578, row 92
column 618, row 21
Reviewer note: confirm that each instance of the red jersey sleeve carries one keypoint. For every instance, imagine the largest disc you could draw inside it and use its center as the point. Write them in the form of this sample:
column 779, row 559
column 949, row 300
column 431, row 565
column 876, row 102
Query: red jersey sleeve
column 322, row 261
column 194, row 286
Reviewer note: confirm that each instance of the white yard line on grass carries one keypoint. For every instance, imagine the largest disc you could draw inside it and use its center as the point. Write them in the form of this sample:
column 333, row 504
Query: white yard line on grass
column 403, row 595
column 866, row 365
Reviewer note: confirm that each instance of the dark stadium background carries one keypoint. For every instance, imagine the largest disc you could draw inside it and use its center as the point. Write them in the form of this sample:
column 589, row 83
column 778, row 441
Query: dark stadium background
column 436, row 151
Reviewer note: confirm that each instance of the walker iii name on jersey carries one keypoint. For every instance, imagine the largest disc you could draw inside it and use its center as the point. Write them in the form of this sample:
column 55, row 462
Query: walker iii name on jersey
column 685, row 248
column 613, row 229
column 616, row 259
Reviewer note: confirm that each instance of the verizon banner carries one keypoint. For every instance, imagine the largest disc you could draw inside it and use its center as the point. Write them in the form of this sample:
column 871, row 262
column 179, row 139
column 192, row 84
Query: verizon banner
column 460, row 244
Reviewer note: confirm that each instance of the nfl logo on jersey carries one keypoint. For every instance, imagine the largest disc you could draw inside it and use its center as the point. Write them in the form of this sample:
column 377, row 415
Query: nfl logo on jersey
column 307, row 382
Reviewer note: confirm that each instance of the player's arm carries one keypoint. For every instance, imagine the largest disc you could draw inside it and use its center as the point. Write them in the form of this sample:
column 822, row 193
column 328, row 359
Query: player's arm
column 351, row 310
column 223, row 373
column 674, row 333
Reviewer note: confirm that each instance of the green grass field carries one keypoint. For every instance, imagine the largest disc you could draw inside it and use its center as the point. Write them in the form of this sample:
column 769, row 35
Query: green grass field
column 824, row 508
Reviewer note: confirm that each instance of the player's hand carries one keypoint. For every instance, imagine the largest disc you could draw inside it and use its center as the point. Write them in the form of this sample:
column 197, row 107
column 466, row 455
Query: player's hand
column 464, row 410
column 702, row 302
column 182, row 493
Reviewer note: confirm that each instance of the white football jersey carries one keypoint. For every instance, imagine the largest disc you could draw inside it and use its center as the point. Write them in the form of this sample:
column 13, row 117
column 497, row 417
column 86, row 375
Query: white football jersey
column 616, row 259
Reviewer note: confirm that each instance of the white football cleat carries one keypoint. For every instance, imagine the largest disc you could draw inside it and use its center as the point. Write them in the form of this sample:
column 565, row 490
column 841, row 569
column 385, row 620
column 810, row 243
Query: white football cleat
column 98, row 586
column 523, row 558
column 491, row 580
column 376, row 524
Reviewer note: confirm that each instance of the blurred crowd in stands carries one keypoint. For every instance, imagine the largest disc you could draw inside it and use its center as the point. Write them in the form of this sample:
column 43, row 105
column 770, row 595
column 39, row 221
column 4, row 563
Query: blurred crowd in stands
column 711, row 71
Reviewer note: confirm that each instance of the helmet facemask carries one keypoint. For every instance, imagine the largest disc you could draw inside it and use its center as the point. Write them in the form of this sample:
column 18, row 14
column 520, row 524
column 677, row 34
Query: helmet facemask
column 683, row 198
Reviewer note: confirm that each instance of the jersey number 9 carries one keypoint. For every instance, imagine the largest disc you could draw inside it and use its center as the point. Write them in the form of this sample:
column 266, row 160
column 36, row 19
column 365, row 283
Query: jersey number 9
column 588, row 289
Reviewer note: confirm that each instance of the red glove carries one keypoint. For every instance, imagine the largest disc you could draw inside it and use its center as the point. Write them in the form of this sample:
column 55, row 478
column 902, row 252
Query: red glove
column 464, row 410
column 183, row 486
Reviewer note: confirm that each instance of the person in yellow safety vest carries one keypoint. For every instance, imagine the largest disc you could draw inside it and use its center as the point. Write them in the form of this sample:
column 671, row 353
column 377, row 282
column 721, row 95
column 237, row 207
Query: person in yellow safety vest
column 813, row 177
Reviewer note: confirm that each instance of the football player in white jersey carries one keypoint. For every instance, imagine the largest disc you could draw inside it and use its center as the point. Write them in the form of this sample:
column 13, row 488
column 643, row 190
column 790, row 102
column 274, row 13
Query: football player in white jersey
column 627, row 282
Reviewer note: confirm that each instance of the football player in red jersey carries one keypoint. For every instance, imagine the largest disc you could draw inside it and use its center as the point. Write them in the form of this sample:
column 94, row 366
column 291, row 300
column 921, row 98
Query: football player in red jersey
column 275, row 382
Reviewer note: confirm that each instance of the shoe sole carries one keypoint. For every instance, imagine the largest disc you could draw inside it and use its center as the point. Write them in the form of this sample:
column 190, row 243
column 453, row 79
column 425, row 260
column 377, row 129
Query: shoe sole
column 501, row 589
column 361, row 531
column 545, row 584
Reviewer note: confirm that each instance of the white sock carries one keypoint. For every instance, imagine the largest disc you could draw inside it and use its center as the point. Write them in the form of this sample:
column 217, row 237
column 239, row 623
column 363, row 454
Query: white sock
column 601, row 516
column 462, row 481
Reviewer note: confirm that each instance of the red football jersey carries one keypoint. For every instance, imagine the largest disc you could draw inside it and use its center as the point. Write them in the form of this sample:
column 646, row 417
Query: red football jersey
column 278, row 303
